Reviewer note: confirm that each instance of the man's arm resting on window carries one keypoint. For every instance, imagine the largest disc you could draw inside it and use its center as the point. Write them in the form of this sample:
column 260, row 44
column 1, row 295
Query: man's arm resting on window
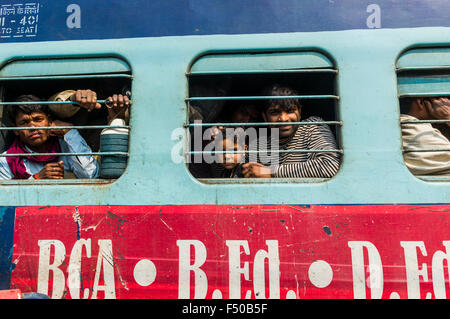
column 82, row 166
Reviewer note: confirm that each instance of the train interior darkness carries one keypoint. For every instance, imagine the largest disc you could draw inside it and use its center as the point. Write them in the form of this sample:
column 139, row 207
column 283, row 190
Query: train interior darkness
column 45, row 88
column 247, row 85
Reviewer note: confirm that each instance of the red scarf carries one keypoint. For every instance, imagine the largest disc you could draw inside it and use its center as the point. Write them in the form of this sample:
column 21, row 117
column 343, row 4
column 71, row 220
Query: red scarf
column 16, row 164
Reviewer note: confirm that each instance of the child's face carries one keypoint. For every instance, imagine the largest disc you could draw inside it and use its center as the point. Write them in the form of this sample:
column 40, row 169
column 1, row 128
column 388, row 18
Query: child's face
column 231, row 160
column 245, row 114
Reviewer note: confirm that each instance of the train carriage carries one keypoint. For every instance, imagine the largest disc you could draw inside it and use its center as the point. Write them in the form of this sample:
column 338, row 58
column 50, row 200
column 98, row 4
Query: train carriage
column 159, row 230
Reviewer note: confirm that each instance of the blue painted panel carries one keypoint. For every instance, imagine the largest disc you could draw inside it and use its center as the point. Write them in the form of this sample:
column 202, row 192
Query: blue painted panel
column 7, row 215
column 64, row 67
column 371, row 138
column 412, row 84
column 261, row 62
column 423, row 86
column 46, row 20
column 425, row 58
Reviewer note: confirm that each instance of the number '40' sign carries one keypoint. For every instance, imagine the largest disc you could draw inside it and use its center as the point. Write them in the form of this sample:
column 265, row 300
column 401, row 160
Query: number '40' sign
column 28, row 20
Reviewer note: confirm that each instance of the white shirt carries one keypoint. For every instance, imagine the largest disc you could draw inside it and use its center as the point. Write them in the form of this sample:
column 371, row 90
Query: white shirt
column 424, row 135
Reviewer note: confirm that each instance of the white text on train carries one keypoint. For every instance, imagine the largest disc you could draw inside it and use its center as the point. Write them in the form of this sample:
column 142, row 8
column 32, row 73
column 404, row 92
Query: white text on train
column 192, row 257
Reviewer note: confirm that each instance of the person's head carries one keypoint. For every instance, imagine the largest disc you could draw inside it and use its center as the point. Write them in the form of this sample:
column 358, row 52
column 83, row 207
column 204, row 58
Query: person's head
column 30, row 115
column 282, row 110
column 406, row 105
column 427, row 108
column 232, row 143
column 244, row 113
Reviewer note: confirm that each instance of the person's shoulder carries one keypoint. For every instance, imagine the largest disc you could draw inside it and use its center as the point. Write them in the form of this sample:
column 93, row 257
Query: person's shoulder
column 311, row 128
column 72, row 134
column 407, row 117
column 314, row 118
column 3, row 161
column 412, row 129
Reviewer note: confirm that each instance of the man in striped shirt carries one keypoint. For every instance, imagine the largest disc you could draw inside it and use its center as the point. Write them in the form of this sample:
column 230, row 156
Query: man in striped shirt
column 292, row 137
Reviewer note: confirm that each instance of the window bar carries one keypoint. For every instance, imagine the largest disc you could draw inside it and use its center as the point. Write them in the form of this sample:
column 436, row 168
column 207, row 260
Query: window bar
column 65, row 77
column 424, row 94
column 252, row 180
column 200, row 73
column 422, row 68
column 424, row 121
column 266, row 151
column 263, row 124
column 220, row 98
column 65, row 154
column 335, row 129
column 106, row 102
column 68, row 181
column 434, row 178
column 15, row 128
column 409, row 150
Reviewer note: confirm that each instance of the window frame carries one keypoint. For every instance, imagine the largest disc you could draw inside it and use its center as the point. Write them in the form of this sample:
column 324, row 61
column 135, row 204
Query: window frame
column 323, row 63
column 67, row 68
column 423, row 72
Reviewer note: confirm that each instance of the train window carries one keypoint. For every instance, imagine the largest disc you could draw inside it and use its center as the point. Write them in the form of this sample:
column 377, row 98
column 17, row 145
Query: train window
column 80, row 145
column 423, row 77
column 263, row 115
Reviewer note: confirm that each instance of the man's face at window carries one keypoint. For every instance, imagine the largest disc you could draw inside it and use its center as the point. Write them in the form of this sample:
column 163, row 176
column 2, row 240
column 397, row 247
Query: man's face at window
column 438, row 108
column 32, row 138
column 277, row 113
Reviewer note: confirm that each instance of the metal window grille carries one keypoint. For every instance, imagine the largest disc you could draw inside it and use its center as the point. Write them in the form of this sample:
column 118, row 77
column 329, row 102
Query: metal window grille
column 424, row 73
column 29, row 71
column 266, row 68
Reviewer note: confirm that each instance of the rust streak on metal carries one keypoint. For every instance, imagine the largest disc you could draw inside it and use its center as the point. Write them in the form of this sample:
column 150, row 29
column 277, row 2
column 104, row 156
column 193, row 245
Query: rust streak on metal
column 215, row 234
column 114, row 216
column 296, row 208
column 170, row 228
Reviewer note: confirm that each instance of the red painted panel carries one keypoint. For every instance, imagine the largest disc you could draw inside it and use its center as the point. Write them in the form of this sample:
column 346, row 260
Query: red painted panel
column 232, row 251
column 10, row 294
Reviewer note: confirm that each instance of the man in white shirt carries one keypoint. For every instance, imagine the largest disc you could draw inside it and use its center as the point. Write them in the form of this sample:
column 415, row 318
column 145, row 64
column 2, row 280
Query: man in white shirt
column 424, row 135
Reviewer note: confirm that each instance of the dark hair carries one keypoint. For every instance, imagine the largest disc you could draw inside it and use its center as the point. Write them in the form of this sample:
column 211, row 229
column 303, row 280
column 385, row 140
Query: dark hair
column 278, row 90
column 405, row 105
column 237, row 135
column 13, row 110
column 230, row 108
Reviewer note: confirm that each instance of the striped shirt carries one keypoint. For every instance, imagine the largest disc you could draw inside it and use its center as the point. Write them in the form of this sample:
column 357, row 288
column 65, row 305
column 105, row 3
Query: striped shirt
column 302, row 165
